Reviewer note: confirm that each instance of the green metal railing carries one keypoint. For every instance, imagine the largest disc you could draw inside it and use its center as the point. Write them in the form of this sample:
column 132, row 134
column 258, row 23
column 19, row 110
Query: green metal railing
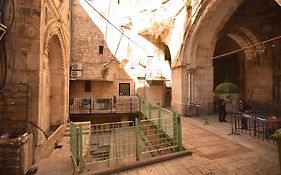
column 109, row 144
column 79, row 142
column 112, row 141
column 76, row 143
column 162, row 118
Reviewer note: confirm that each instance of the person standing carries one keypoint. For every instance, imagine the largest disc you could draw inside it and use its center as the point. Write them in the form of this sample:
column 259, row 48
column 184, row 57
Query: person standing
column 243, row 108
column 222, row 110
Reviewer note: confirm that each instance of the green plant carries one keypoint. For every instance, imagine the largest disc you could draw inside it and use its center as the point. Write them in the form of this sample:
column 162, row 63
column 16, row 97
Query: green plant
column 188, row 4
column 104, row 72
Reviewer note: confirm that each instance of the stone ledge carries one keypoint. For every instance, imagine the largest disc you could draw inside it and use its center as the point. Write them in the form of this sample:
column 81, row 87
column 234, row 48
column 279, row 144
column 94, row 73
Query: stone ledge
column 141, row 163
column 48, row 146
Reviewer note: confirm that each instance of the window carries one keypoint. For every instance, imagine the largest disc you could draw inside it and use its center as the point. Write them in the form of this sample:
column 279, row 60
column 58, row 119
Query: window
column 87, row 86
column 124, row 89
column 100, row 49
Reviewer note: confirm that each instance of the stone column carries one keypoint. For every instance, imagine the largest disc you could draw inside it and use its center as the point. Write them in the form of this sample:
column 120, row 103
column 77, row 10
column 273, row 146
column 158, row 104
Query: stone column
column 179, row 89
column 203, row 83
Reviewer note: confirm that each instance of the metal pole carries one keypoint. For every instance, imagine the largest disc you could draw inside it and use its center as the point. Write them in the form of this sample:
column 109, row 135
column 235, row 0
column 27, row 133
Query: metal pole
column 90, row 105
column 131, row 104
column 159, row 117
column 207, row 113
column 175, row 132
column 140, row 101
column 231, row 116
column 111, row 106
column 179, row 134
column 137, row 139
column 80, row 148
column 149, row 110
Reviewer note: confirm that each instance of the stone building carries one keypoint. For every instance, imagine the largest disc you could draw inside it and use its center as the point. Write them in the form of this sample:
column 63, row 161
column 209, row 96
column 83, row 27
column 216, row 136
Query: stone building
column 52, row 50
column 93, row 65
column 119, row 32
column 34, row 79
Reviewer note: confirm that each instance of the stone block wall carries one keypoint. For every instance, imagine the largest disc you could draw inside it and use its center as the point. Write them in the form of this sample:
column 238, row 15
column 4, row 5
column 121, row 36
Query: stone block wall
column 86, row 39
column 34, row 24
column 22, row 46
column 14, row 109
column 16, row 155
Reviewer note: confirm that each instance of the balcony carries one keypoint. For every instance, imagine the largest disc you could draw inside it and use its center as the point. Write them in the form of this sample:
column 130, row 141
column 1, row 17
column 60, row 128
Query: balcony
column 116, row 104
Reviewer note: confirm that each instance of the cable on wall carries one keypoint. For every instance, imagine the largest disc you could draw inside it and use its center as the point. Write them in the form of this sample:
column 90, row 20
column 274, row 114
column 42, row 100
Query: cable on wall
column 241, row 49
column 7, row 80
column 119, row 30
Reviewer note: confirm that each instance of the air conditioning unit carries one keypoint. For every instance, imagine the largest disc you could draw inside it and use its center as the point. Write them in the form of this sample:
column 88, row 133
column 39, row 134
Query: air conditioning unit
column 75, row 74
column 76, row 66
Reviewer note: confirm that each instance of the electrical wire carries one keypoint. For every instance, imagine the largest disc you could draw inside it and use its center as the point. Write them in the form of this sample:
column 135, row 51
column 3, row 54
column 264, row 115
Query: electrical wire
column 7, row 80
column 13, row 16
column 119, row 30
column 241, row 49
column 4, row 64
column 3, row 60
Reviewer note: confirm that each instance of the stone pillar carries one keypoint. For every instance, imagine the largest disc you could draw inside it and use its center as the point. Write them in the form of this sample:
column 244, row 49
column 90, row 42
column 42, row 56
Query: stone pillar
column 179, row 89
column 203, row 82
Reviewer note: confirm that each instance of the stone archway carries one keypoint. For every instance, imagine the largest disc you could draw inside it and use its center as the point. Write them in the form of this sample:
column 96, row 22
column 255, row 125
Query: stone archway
column 196, row 69
column 193, row 77
column 229, row 58
column 203, row 38
column 56, row 79
column 54, row 88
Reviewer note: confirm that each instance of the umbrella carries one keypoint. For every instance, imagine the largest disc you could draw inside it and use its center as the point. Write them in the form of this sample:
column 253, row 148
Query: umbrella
column 226, row 87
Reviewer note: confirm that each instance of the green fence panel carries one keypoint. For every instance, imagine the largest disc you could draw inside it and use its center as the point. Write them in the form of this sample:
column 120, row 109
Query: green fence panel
column 80, row 149
column 180, row 134
column 163, row 118
column 111, row 142
column 175, row 131
column 74, row 142
column 137, row 139
column 76, row 145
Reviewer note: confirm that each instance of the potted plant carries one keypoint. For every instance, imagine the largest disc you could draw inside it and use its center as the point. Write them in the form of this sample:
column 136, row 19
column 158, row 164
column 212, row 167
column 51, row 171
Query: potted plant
column 104, row 72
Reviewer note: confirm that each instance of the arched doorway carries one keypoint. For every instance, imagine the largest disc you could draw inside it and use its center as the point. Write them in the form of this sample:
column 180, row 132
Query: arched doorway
column 253, row 42
column 224, row 26
column 56, row 82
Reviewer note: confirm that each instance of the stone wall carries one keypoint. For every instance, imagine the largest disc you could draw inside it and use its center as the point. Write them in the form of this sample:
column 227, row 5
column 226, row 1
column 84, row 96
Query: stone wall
column 34, row 59
column 22, row 47
column 14, row 110
column 16, row 155
column 85, row 41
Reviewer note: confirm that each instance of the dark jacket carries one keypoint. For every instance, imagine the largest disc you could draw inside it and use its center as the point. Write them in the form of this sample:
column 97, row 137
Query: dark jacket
column 244, row 106
column 222, row 105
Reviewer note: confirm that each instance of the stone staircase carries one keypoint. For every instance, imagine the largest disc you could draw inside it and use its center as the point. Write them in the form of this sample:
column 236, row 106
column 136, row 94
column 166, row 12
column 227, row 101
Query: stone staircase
column 86, row 128
column 157, row 143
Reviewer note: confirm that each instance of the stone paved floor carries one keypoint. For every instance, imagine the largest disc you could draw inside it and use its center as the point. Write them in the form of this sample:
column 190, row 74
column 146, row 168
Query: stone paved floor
column 215, row 152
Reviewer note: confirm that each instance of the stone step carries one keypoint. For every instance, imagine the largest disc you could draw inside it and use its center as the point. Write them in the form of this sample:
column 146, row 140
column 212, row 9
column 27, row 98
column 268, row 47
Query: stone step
column 85, row 128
